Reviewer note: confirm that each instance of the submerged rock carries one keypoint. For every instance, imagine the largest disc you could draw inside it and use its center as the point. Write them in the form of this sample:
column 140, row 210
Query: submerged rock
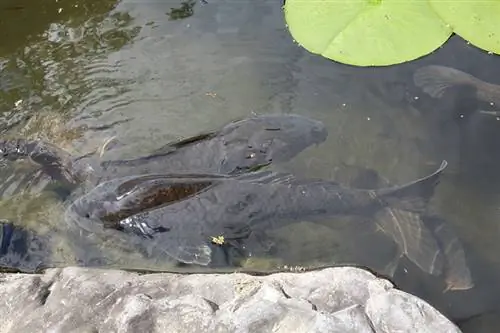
column 341, row 299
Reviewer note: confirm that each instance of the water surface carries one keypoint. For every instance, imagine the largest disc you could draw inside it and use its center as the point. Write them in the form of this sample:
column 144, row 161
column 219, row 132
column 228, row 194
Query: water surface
column 79, row 72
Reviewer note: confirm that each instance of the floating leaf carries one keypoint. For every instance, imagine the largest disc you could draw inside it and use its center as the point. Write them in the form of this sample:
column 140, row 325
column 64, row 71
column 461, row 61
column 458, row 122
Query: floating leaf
column 474, row 21
column 366, row 32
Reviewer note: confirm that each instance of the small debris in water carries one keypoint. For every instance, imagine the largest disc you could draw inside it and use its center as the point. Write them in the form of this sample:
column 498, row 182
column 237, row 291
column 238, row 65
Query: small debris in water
column 105, row 144
column 219, row 240
column 292, row 268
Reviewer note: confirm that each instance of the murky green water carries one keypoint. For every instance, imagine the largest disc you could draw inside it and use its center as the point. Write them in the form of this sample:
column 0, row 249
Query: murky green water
column 76, row 73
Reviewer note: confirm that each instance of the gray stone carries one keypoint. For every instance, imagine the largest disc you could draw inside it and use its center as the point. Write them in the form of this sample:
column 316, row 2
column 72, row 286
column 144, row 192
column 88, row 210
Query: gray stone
column 341, row 299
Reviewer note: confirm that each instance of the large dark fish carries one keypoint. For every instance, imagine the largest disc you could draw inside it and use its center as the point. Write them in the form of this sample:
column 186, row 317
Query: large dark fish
column 215, row 207
column 238, row 147
column 435, row 80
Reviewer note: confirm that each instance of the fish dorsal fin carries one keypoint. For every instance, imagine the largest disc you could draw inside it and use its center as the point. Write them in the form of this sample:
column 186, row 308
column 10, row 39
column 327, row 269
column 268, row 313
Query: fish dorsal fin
column 188, row 184
column 145, row 193
column 186, row 248
column 173, row 146
column 167, row 149
column 166, row 179
column 163, row 192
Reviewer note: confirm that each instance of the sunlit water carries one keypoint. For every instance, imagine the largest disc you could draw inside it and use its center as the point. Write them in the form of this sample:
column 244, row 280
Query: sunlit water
column 78, row 73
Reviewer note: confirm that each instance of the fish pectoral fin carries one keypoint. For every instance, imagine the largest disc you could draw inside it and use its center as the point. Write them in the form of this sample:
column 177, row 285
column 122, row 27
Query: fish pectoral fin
column 138, row 226
column 201, row 254
column 186, row 251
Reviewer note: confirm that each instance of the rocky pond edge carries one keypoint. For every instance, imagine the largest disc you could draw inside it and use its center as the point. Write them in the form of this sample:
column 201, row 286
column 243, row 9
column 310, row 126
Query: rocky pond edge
column 337, row 299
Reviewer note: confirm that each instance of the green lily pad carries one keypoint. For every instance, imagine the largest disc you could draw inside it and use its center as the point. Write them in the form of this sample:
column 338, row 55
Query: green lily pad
column 366, row 32
column 475, row 21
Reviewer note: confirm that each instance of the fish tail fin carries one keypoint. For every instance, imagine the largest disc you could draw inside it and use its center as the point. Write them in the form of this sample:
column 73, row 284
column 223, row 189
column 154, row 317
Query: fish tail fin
column 415, row 195
column 457, row 274
column 436, row 80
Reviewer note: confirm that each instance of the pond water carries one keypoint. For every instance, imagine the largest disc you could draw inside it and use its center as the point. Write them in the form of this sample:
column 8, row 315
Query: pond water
column 76, row 73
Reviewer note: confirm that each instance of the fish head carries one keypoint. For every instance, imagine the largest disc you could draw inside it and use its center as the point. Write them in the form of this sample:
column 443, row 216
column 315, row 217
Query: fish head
column 89, row 212
column 115, row 200
column 261, row 140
